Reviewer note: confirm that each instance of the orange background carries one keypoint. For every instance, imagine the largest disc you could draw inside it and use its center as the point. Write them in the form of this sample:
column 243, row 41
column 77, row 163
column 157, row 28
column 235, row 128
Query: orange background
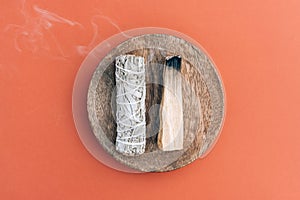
column 256, row 46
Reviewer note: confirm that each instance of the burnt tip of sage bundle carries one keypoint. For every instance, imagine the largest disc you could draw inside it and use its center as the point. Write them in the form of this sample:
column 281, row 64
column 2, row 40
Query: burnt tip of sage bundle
column 174, row 61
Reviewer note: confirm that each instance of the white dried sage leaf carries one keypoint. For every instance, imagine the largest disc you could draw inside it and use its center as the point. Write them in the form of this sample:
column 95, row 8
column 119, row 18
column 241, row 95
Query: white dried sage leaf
column 130, row 104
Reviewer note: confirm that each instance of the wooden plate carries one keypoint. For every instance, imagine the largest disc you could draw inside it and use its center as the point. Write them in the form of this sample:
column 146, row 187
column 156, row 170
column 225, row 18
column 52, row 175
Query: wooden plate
column 203, row 101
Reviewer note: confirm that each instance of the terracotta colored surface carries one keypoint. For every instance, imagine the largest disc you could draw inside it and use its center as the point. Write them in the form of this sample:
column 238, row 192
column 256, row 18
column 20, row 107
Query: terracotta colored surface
column 256, row 46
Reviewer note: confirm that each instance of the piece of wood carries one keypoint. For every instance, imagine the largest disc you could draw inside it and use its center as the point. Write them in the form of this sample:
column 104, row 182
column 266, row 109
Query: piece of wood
column 171, row 135
column 130, row 104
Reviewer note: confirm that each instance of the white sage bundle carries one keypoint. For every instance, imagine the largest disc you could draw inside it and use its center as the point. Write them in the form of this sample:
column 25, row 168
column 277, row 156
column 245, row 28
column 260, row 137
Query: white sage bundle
column 130, row 104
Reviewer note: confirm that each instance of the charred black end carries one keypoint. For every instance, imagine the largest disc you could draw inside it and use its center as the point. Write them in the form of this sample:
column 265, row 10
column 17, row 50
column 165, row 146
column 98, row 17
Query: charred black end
column 174, row 61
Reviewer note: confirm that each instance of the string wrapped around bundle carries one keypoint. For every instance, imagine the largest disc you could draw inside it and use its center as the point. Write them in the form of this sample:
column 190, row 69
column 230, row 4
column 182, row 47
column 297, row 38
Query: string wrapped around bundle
column 130, row 104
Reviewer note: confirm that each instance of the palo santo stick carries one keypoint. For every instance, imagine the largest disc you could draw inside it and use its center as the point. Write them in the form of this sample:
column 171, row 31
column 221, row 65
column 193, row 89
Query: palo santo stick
column 130, row 105
column 170, row 137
